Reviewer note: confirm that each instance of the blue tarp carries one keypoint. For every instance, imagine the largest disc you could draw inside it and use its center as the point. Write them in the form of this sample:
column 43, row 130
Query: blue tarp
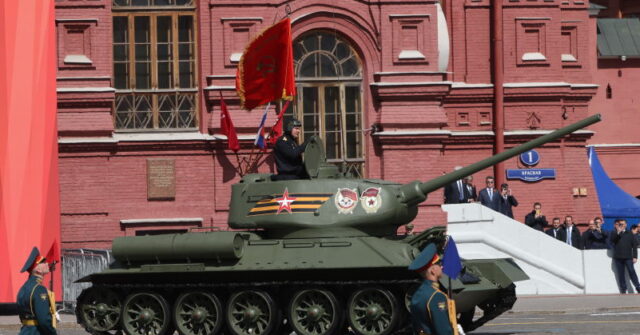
column 614, row 202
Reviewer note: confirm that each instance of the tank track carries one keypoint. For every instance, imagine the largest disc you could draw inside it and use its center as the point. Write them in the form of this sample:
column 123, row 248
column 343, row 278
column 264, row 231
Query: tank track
column 503, row 302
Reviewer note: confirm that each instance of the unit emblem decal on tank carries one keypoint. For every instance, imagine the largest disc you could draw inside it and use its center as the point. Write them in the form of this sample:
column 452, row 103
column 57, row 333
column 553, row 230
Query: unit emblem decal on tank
column 346, row 200
column 371, row 200
column 289, row 203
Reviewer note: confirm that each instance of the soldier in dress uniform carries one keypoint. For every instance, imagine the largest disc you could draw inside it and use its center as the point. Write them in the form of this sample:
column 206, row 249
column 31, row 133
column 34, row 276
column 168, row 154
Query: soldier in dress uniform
column 430, row 306
column 36, row 304
column 288, row 153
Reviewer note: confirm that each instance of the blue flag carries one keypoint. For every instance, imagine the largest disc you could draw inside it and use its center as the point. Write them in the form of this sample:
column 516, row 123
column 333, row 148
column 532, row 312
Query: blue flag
column 260, row 142
column 451, row 264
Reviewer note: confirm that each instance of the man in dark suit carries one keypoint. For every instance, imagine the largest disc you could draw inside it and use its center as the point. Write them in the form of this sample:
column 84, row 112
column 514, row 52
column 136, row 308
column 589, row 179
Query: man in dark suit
column 571, row 232
column 595, row 237
column 455, row 193
column 625, row 255
column 507, row 201
column 489, row 196
column 472, row 195
column 536, row 219
column 556, row 231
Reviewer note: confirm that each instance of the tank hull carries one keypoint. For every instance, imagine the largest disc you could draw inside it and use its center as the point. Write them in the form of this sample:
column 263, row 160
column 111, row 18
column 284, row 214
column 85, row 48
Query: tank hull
column 283, row 269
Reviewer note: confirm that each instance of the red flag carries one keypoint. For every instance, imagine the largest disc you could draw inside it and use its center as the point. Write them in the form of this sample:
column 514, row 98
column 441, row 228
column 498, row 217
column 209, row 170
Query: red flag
column 54, row 253
column 265, row 72
column 276, row 130
column 226, row 126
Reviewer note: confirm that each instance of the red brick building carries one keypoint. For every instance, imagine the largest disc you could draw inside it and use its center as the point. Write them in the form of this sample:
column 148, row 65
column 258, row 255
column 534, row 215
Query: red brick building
column 399, row 90
column 617, row 141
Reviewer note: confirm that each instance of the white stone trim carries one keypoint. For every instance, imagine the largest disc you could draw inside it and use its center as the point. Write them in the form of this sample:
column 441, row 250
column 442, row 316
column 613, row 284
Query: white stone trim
column 219, row 87
column 82, row 78
column 256, row 18
column 77, row 59
column 536, row 84
column 150, row 137
column 161, row 137
column 87, row 140
column 543, row 132
column 417, row 83
column 568, row 58
column 84, row 89
column 444, row 43
column 460, row 84
column 77, row 20
column 473, row 133
column 410, row 54
column 533, row 18
column 402, row 16
column 584, row 85
column 408, row 73
column 533, row 56
column 470, row 133
column 615, row 145
column 412, row 132
column 235, row 57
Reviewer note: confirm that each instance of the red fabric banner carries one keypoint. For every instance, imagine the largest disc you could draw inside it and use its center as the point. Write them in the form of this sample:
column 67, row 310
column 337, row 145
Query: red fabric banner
column 265, row 72
column 276, row 130
column 29, row 193
column 227, row 128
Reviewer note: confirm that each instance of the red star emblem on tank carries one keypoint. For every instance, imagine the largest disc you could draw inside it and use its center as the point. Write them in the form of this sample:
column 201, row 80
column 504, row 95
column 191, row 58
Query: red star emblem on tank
column 285, row 201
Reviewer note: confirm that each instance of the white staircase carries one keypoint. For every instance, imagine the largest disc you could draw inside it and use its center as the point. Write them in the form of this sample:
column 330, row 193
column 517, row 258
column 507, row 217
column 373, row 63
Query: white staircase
column 554, row 267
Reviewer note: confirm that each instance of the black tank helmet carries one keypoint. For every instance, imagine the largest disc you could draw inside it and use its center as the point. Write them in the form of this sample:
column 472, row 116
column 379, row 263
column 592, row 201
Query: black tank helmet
column 292, row 124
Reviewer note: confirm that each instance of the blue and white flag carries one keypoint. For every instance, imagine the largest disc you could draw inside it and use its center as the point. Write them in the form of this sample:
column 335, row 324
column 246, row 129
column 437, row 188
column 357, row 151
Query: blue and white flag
column 451, row 264
column 260, row 142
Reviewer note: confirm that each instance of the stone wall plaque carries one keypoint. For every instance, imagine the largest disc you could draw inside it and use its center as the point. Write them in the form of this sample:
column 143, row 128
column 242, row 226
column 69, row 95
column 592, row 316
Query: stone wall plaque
column 161, row 179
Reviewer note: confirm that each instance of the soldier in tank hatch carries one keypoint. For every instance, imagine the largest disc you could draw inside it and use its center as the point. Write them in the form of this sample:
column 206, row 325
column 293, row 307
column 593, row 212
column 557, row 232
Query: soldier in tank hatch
column 288, row 153
column 36, row 306
column 429, row 305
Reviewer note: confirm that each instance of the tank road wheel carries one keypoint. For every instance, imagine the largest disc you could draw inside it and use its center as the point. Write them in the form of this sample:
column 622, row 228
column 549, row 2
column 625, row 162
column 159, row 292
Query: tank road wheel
column 145, row 313
column 373, row 311
column 197, row 313
column 314, row 312
column 252, row 312
column 98, row 310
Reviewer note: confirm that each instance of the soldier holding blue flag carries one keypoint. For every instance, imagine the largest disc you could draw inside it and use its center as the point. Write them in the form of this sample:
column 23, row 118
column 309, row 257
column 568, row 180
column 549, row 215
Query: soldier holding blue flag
column 429, row 305
column 432, row 311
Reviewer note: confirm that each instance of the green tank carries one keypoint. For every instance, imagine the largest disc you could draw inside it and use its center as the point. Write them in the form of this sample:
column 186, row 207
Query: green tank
column 315, row 256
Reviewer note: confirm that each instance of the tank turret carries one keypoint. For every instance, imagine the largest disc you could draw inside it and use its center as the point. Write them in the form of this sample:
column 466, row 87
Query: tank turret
column 330, row 204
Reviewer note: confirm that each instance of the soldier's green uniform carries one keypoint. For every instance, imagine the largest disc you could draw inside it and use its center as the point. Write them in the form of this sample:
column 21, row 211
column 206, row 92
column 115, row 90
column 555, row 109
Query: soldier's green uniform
column 429, row 310
column 429, row 305
column 34, row 307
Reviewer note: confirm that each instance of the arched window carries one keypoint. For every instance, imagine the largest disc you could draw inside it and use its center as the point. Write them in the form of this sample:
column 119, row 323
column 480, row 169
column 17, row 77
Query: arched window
column 329, row 100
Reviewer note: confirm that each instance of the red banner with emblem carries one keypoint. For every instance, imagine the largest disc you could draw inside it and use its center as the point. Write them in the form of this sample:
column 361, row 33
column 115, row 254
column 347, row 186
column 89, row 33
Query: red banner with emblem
column 265, row 72
column 29, row 190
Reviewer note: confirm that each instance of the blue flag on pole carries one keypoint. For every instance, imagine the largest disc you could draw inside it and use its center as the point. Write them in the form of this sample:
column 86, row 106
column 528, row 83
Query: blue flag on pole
column 451, row 264
column 260, row 142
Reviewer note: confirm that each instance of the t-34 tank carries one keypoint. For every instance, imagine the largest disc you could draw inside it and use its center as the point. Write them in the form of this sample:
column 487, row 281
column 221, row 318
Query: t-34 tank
column 315, row 256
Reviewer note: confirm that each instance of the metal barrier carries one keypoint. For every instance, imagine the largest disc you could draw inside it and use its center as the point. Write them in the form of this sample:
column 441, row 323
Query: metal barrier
column 77, row 263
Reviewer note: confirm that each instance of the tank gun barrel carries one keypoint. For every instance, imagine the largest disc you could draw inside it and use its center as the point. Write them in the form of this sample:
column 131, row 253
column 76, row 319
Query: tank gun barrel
column 416, row 191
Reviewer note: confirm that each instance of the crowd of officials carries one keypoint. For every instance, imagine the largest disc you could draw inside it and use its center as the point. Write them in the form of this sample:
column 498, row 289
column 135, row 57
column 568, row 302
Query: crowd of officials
column 622, row 241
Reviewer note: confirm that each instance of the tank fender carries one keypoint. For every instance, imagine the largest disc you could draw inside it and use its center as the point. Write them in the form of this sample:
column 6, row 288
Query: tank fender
column 220, row 245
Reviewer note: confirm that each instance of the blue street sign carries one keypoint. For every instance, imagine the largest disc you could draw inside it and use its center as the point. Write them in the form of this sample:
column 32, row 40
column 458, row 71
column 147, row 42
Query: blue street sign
column 531, row 175
column 530, row 158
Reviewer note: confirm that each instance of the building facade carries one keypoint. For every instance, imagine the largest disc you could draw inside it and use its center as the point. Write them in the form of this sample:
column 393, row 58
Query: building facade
column 617, row 70
column 398, row 90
